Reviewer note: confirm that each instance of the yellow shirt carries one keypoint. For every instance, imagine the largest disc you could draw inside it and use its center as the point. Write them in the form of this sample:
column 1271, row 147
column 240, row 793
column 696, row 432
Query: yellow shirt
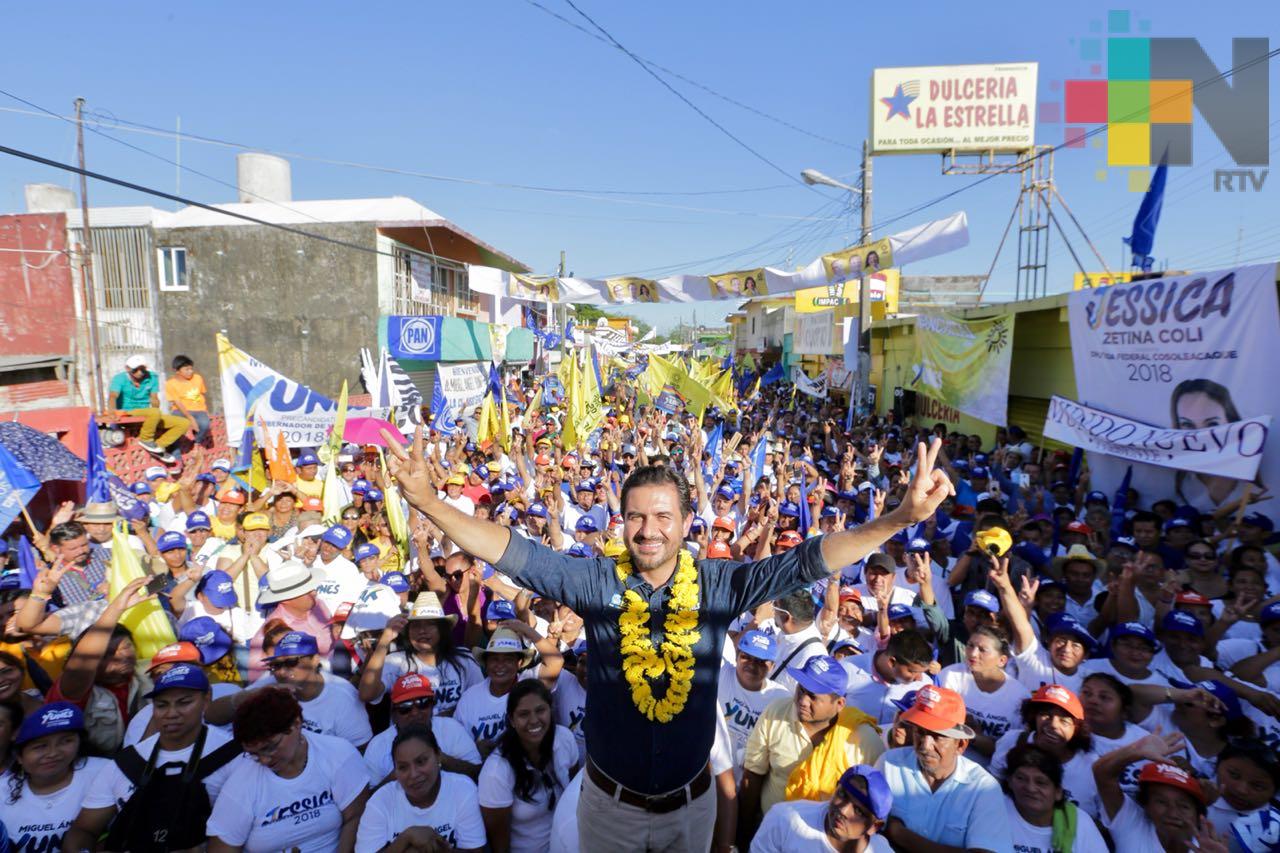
column 779, row 743
column 223, row 530
column 190, row 392
column 310, row 488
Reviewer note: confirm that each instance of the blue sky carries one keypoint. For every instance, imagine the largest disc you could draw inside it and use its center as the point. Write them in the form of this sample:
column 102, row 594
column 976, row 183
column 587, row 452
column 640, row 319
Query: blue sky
column 501, row 92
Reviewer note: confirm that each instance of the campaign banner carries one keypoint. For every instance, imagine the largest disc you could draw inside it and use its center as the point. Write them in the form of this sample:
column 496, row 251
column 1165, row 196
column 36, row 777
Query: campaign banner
column 251, row 387
column 805, row 385
column 414, row 336
column 420, row 279
column 463, row 385
column 855, row 261
column 302, row 429
column 1188, row 352
column 815, row 334
column 1233, row 449
column 745, row 283
column 838, row 376
column 882, row 287
column 965, row 363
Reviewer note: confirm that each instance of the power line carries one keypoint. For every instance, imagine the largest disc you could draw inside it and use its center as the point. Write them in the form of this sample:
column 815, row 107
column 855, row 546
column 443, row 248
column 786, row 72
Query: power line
column 673, row 90
column 696, row 84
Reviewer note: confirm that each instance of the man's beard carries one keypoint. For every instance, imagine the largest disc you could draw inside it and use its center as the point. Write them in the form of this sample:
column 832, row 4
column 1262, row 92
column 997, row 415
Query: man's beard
column 646, row 562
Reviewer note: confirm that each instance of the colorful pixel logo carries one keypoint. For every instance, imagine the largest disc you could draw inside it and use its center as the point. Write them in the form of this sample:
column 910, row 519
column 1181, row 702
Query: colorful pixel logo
column 1147, row 90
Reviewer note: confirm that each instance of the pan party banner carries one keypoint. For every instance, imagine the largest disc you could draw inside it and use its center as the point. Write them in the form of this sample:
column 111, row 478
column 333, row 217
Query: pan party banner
column 883, row 286
column 924, row 241
column 965, row 363
column 1190, row 352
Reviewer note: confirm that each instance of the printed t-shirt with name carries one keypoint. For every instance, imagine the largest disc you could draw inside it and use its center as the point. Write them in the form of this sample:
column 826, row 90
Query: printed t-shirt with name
column 741, row 708
column 530, row 819
column 569, row 702
column 338, row 582
column 450, row 735
column 1039, row 839
column 113, row 788
column 967, row 809
column 482, row 714
column 260, row 811
column 800, row 827
column 1089, row 667
column 38, row 821
column 996, row 712
column 138, row 725
column 455, row 815
column 1078, row 784
column 337, row 711
column 871, row 694
column 1034, row 668
column 1128, row 776
column 449, row 681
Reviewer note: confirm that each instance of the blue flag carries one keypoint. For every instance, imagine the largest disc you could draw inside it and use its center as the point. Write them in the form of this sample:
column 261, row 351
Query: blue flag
column 441, row 421
column 595, row 365
column 26, row 562
column 1121, row 503
column 1143, row 238
column 774, row 374
column 715, row 447
column 568, row 331
column 1073, row 473
column 17, row 487
column 495, row 383
column 96, row 478
column 806, row 516
column 726, row 363
column 757, row 459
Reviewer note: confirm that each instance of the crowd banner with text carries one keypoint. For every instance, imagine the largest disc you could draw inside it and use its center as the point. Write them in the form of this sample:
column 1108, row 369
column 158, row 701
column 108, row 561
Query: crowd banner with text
column 249, row 386
column 915, row 244
column 1193, row 352
column 853, row 262
column 1232, row 449
column 883, row 287
column 303, row 429
column 464, row 385
column 965, row 363
column 815, row 334
column 805, row 385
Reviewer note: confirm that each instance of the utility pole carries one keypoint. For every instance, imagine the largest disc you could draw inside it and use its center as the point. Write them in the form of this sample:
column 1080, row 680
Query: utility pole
column 86, row 267
column 864, row 292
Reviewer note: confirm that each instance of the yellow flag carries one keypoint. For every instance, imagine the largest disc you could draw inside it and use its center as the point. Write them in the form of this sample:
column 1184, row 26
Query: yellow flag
column 489, row 427
column 569, row 436
column 722, row 390
column 591, row 406
column 146, row 621
column 531, row 411
column 504, row 420
column 396, row 518
column 257, row 471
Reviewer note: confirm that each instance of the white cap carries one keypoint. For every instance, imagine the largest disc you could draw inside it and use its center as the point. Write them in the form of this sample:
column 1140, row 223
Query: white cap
column 378, row 604
column 133, row 362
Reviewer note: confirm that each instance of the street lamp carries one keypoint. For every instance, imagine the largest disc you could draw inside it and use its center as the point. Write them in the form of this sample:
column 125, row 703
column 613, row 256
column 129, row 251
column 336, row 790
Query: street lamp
column 813, row 176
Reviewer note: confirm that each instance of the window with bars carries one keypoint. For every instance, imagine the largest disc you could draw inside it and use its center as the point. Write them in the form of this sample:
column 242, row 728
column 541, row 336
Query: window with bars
column 447, row 293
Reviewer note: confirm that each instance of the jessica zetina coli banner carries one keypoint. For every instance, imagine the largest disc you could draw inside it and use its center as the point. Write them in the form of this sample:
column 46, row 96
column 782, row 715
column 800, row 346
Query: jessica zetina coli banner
column 965, row 363
column 1195, row 352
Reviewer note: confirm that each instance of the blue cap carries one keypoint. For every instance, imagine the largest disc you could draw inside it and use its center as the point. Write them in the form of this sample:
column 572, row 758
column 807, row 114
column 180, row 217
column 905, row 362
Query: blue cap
column 978, row 473
column 537, row 509
column 846, row 496
column 1176, row 522
column 759, row 644
column 50, row 719
column 1063, row 623
column 1124, row 542
column 829, row 512
column 1224, row 694
column 396, row 580
column 878, row 799
column 359, row 487
column 579, row 549
column 628, row 450
column 918, row 545
column 180, row 676
column 1270, row 613
column 1096, row 497
column 587, row 485
column 206, row 478
column 499, row 610
column 198, row 521
column 698, row 524
column 586, row 524
column 1257, row 519
column 295, row 644
column 980, row 458
column 789, row 508
column 900, row 611
column 372, row 495
column 1032, row 553
column 307, row 457
column 908, row 699
column 982, row 598
column 1181, row 620
column 822, row 675
column 142, row 487
column 725, row 492
column 218, row 588
column 1135, row 629
column 170, row 540
column 10, row 581
column 207, row 636
column 365, row 550
column 846, row 643
column 337, row 536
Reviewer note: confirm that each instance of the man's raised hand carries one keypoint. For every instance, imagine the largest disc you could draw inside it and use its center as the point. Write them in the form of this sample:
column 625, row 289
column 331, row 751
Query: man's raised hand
column 409, row 467
column 928, row 488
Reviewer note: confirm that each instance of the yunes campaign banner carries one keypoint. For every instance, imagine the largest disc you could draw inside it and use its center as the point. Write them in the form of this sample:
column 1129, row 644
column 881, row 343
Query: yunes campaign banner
column 1189, row 352
column 249, row 386
column 805, row 385
column 965, row 363
column 1233, row 449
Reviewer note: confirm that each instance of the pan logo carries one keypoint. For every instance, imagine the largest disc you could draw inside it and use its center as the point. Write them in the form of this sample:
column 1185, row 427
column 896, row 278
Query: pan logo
column 1146, row 91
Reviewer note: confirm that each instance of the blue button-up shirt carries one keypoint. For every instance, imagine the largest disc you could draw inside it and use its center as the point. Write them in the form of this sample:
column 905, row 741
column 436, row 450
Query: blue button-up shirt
column 645, row 756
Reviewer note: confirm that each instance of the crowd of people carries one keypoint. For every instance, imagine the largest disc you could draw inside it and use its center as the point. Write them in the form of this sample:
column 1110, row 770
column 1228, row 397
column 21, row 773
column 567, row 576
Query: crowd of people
column 883, row 637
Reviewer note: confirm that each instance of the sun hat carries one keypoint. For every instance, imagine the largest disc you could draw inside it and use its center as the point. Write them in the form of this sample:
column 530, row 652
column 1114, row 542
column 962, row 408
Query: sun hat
column 877, row 799
column 184, row 676
column 291, row 579
column 298, row 644
column 1056, row 694
column 759, row 644
column 378, row 604
column 427, row 606
column 1078, row 554
column 504, row 642
column 1159, row 773
column 50, row 719
column 411, row 685
column 822, row 675
column 207, row 636
column 179, row 652
column 940, row 711
column 94, row 512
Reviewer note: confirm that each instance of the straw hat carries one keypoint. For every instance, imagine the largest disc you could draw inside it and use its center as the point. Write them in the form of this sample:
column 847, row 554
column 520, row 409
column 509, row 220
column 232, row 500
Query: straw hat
column 98, row 513
column 504, row 642
column 1078, row 554
column 427, row 606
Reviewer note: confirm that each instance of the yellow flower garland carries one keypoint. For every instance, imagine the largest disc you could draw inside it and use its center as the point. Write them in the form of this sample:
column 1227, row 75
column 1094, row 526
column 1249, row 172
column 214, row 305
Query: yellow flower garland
column 641, row 662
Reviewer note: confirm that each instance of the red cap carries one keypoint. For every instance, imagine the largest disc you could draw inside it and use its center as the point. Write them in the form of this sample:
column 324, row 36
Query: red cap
column 1192, row 598
column 1157, row 773
column 411, row 685
column 848, row 594
column 569, row 462
column 1079, row 527
column 719, row 551
column 1056, row 694
column 724, row 522
column 542, row 459
column 182, row 652
column 234, row 496
column 788, row 539
column 940, row 711
column 342, row 613
column 312, row 504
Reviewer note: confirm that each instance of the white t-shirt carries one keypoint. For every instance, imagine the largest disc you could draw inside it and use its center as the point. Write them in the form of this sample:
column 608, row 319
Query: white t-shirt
column 1128, row 776
column 569, row 701
column 112, row 788
column 1131, row 829
column 448, row 681
column 337, row 711
column 530, row 819
column 803, row 650
column 1204, row 766
column 451, row 737
column 139, row 722
column 260, row 811
column 799, row 826
column 741, row 708
column 338, row 582
column 872, row 695
column 1089, row 667
column 38, row 821
column 564, row 824
column 1034, row 668
column 1077, row 774
column 1028, row 838
column 482, row 714
column 239, row 624
column 455, row 815
column 995, row 713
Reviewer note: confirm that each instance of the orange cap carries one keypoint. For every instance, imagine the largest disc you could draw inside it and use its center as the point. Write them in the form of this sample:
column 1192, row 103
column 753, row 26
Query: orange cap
column 1157, row 773
column 234, row 496
column 1056, row 694
column 411, row 685
column 940, row 711
column 182, row 652
column 719, row 551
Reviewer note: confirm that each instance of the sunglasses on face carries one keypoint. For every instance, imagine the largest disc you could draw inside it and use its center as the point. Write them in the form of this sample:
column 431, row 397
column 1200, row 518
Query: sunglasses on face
column 408, row 706
column 457, row 576
column 351, row 518
column 283, row 663
column 1201, row 555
